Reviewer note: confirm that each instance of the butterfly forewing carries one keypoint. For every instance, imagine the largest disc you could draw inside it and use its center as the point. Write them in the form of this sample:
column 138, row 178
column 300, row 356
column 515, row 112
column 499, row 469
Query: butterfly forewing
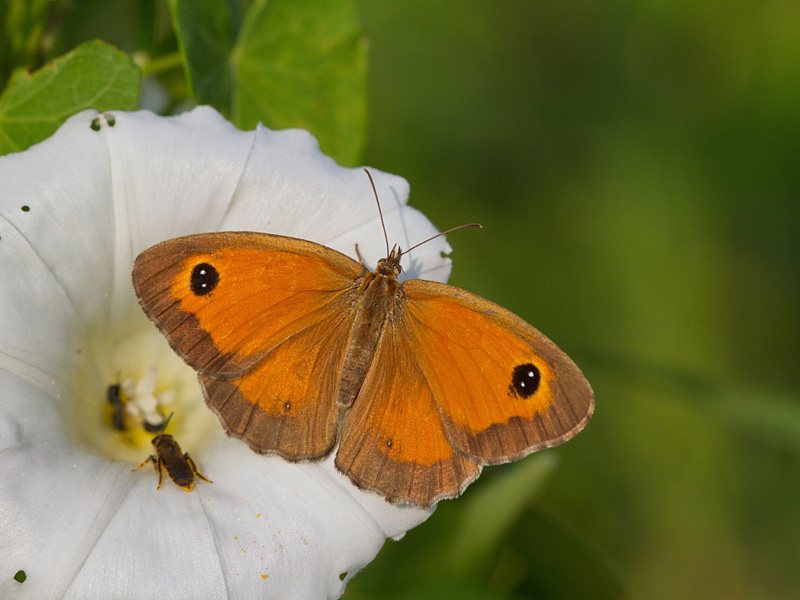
column 502, row 388
column 224, row 300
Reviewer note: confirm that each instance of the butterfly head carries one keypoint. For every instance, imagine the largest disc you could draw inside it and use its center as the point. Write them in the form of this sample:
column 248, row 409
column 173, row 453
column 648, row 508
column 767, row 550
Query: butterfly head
column 390, row 266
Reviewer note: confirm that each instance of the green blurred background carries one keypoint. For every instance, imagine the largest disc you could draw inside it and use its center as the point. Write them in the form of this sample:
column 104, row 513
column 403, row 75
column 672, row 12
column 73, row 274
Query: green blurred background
column 635, row 166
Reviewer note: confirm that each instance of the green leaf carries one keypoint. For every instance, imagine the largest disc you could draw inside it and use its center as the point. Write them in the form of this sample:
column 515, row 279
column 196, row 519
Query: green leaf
column 434, row 591
column 94, row 75
column 764, row 414
column 460, row 545
column 477, row 538
column 303, row 64
column 205, row 36
column 23, row 23
column 546, row 559
column 281, row 63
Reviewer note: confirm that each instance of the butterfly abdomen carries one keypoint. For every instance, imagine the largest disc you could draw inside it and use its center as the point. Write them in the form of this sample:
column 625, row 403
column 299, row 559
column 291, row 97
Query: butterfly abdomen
column 377, row 298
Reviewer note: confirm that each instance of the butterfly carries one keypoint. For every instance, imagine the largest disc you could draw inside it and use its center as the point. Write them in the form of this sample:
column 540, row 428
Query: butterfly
column 301, row 350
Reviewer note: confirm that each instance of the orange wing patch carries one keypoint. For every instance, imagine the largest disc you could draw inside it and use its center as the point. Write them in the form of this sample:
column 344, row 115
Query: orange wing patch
column 392, row 439
column 286, row 405
column 225, row 304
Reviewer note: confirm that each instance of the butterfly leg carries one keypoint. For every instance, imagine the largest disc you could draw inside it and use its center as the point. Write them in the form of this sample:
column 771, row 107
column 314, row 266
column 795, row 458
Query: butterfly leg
column 360, row 258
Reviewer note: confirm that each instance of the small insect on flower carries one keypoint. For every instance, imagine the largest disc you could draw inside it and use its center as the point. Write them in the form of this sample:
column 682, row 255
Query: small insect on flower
column 170, row 458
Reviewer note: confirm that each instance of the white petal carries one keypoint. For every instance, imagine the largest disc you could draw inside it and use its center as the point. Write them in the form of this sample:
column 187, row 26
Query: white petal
column 54, row 499
column 173, row 176
column 157, row 545
column 81, row 525
column 62, row 181
column 291, row 188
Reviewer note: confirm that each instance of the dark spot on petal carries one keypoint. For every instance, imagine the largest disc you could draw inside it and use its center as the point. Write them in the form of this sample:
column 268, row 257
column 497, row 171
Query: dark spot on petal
column 26, row 208
column 20, row 576
column 389, row 444
column 118, row 419
column 114, row 395
column 95, row 124
column 287, row 407
column 204, row 279
column 524, row 380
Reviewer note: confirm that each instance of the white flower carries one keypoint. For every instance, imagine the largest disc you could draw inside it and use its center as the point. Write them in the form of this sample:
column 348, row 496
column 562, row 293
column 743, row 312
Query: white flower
column 75, row 211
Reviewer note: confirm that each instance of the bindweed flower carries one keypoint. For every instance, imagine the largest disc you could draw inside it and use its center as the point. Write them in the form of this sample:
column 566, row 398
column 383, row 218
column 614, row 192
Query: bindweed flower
column 86, row 379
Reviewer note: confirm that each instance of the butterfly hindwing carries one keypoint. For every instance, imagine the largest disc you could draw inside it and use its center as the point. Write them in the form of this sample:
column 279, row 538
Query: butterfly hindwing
column 502, row 388
column 392, row 440
column 286, row 405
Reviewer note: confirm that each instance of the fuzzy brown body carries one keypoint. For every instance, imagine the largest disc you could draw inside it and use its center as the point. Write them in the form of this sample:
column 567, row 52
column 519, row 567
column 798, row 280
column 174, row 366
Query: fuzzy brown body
column 378, row 291
column 170, row 458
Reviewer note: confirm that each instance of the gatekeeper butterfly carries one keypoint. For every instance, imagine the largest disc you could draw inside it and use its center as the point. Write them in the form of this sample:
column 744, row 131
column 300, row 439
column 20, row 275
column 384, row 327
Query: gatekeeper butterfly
column 300, row 348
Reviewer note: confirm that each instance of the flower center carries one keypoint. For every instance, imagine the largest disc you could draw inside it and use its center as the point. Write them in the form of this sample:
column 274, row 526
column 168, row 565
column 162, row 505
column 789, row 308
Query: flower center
column 127, row 382
column 137, row 404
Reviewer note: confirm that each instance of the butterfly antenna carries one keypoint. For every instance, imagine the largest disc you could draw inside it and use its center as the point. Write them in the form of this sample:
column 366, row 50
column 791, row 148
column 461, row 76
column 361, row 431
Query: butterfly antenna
column 380, row 212
column 478, row 225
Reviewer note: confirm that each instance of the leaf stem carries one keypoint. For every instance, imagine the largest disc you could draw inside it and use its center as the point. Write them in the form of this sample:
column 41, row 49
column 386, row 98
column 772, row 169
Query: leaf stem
column 159, row 64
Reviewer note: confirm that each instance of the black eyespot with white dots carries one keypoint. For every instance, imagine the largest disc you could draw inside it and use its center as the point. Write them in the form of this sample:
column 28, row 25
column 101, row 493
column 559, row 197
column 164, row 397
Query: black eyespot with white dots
column 525, row 380
column 204, row 279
